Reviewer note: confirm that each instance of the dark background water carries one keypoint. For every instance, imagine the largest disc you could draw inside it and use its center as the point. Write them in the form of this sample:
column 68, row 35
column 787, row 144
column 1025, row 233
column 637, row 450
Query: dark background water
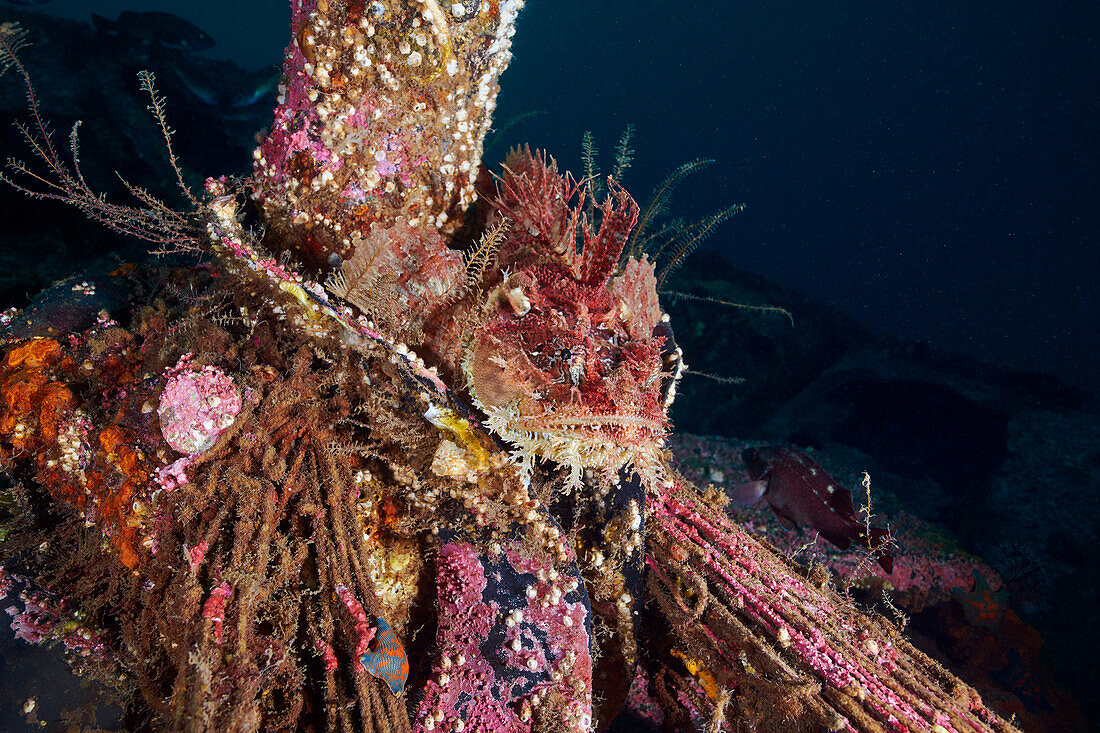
column 928, row 167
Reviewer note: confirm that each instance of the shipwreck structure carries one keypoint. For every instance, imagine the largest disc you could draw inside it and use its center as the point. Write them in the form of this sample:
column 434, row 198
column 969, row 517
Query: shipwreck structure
column 398, row 463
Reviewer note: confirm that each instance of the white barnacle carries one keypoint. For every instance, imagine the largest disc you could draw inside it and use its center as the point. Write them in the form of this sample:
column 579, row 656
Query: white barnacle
column 783, row 637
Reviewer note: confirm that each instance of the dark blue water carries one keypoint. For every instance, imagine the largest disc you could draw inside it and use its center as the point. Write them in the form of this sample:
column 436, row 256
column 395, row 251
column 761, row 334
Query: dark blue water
column 927, row 167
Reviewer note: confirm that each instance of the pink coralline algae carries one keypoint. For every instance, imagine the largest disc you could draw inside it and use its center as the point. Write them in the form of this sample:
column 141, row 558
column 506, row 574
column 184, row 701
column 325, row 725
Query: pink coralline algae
column 35, row 623
column 196, row 554
column 196, row 407
column 640, row 703
column 497, row 676
column 927, row 569
column 328, row 656
column 363, row 630
column 214, row 608
column 45, row 619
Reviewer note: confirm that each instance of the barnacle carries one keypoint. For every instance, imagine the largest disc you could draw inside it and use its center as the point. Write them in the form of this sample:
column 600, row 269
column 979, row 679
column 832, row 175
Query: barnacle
column 393, row 99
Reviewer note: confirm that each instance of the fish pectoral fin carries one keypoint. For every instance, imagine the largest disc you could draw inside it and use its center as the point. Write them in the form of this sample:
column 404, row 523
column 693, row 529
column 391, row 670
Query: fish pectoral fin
column 786, row 521
column 748, row 492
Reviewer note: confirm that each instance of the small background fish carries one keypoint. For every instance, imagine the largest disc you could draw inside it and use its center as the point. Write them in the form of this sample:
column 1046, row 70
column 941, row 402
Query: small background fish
column 154, row 28
column 801, row 493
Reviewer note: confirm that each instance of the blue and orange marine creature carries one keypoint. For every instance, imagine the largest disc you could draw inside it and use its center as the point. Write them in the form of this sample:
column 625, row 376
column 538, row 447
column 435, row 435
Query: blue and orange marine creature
column 386, row 659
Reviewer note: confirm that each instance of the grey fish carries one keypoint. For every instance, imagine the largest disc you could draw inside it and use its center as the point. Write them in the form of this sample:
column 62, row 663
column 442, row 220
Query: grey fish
column 242, row 91
column 155, row 28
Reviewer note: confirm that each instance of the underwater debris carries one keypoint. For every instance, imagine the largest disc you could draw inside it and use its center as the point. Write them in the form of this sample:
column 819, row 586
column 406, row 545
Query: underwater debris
column 326, row 541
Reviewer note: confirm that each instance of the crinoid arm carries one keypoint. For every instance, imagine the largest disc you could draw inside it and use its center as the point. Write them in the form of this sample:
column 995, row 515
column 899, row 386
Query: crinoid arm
column 54, row 179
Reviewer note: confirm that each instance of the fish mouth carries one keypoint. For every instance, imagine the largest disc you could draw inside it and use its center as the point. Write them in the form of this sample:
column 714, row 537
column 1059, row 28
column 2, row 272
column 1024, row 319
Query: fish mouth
column 556, row 422
column 609, row 440
column 580, row 440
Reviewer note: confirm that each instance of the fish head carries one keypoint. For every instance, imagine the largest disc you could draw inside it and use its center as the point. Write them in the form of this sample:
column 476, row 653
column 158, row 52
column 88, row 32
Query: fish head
column 560, row 374
column 758, row 461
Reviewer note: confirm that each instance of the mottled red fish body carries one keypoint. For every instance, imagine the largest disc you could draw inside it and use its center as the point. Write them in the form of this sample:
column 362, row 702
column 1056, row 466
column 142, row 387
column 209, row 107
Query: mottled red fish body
column 802, row 493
